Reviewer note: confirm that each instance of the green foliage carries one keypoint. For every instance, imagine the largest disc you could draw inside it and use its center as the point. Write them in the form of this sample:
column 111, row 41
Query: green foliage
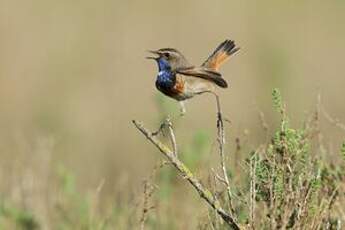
column 166, row 179
column 21, row 218
column 74, row 210
column 288, row 172
column 293, row 188
column 67, row 180
column 79, row 211
column 193, row 153
column 277, row 100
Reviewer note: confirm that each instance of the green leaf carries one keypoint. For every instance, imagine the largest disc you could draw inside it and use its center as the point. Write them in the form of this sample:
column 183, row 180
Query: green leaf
column 277, row 100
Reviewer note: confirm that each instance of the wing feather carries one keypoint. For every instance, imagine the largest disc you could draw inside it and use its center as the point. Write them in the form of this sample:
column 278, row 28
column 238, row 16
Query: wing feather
column 204, row 73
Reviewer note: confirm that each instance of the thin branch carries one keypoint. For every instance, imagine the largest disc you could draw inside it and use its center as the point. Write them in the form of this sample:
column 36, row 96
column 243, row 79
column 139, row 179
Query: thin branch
column 188, row 175
column 221, row 141
column 252, row 190
column 167, row 123
column 172, row 137
column 328, row 205
column 149, row 189
column 216, row 176
column 333, row 120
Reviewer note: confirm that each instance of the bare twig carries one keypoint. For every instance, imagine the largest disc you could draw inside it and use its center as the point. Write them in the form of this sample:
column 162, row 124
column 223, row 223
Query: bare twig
column 252, row 190
column 188, row 175
column 217, row 177
column 333, row 120
column 172, row 137
column 95, row 201
column 167, row 123
column 221, row 141
column 149, row 189
column 272, row 197
column 325, row 208
column 264, row 125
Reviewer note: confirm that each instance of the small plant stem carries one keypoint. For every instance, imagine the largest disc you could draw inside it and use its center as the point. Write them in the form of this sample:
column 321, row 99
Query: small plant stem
column 167, row 123
column 172, row 137
column 252, row 190
column 221, row 141
column 145, row 207
column 149, row 189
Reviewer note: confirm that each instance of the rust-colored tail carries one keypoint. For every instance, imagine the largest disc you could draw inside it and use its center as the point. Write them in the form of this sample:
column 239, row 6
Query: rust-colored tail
column 220, row 55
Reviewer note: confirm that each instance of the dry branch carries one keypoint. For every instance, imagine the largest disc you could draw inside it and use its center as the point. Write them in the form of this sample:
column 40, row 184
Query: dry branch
column 149, row 189
column 221, row 141
column 188, row 175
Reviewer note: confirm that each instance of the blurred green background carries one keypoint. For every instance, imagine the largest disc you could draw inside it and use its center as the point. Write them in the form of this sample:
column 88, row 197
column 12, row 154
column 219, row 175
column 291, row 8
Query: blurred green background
column 73, row 76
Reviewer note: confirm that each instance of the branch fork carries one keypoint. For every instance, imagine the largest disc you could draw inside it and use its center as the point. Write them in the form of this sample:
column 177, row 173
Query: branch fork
column 185, row 172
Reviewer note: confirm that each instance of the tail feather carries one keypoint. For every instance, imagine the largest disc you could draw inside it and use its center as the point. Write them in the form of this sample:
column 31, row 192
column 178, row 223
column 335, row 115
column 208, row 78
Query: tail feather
column 220, row 55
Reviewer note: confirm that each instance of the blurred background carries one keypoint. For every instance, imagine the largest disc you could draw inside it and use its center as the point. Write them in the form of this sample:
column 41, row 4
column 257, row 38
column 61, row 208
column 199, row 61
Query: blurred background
column 73, row 76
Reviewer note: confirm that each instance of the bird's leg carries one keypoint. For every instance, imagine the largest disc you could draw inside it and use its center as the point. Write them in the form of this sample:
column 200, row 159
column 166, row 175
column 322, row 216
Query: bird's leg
column 219, row 113
column 182, row 108
column 220, row 116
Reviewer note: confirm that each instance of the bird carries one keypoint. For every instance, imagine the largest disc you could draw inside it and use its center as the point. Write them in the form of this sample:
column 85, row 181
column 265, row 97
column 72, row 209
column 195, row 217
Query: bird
column 180, row 80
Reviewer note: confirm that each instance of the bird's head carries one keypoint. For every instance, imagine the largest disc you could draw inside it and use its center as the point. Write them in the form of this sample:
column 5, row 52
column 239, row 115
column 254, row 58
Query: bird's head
column 169, row 58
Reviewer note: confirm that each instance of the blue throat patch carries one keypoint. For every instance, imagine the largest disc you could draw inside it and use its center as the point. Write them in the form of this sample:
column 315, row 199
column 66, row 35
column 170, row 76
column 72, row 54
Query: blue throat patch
column 165, row 78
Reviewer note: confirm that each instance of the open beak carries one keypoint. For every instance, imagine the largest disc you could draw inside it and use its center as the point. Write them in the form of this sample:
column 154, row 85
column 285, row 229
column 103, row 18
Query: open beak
column 156, row 53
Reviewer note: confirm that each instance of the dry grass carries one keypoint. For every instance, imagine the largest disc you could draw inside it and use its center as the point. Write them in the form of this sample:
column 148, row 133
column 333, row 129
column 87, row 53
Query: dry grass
column 290, row 186
column 73, row 75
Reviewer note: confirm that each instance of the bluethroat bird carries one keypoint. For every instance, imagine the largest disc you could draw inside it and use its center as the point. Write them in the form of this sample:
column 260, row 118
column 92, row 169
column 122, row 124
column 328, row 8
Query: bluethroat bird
column 180, row 80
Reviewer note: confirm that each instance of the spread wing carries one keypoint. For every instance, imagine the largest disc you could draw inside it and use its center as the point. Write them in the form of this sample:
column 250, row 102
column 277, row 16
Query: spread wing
column 204, row 73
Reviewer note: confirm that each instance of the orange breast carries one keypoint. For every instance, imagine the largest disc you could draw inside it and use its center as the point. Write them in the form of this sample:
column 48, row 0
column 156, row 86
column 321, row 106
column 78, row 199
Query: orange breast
column 179, row 85
column 177, row 91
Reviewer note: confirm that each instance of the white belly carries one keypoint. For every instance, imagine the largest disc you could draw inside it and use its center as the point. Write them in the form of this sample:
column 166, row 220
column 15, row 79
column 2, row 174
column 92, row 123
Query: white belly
column 195, row 85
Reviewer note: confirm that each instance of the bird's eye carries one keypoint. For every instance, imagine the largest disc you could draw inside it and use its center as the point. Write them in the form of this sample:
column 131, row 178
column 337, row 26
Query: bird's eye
column 167, row 55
